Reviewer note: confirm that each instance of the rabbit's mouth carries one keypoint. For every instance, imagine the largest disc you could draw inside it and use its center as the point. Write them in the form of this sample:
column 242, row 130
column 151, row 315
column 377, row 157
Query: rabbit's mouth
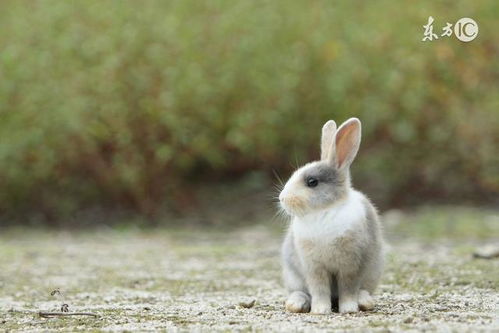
column 293, row 205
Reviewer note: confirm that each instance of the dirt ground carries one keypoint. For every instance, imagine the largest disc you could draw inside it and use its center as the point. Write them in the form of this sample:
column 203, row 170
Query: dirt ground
column 196, row 280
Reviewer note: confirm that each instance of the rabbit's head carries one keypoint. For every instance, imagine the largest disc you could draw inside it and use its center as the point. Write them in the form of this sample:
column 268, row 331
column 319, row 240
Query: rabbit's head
column 321, row 184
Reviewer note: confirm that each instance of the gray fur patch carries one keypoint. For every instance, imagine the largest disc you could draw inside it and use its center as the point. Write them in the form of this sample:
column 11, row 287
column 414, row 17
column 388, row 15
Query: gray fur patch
column 324, row 174
column 332, row 184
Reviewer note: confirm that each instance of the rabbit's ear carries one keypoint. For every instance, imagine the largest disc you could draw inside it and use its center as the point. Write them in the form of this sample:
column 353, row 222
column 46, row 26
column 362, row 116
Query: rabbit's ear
column 346, row 145
column 327, row 139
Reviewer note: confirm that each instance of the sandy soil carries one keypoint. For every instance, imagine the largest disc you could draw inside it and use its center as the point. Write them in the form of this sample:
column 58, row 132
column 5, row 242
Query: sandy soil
column 195, row 281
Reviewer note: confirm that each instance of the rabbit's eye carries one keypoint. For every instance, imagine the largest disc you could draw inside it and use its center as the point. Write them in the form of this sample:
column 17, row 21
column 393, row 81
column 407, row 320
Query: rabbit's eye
column 312, row 182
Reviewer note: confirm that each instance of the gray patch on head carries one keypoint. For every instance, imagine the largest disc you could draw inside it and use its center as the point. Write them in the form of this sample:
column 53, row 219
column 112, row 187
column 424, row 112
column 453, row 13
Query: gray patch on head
column 332, row 184
column 324, row 174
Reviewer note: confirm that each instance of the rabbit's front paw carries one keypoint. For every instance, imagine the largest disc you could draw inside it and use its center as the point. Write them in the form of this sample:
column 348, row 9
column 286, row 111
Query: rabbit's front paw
column 348, row 306
column 321, row 308
column 366, row 302
column 298, row 302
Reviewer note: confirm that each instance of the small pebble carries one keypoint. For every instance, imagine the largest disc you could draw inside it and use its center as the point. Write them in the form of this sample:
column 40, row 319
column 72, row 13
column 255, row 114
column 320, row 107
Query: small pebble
column 487, row 252
column 247, row 305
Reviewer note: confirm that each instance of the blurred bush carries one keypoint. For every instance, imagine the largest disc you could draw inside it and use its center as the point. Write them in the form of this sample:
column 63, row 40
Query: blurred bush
column 127, row 103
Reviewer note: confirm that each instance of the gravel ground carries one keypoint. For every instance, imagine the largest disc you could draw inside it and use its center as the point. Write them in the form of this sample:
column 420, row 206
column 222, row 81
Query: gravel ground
column 196, row 280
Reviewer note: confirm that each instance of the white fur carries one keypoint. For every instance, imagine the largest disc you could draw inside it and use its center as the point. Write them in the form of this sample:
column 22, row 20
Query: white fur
column 295, row 188
column 330, row 223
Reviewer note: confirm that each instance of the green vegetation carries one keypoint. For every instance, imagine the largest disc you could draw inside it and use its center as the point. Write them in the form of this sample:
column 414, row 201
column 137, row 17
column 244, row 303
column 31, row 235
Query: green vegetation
column 444, row 222
column 132, row 104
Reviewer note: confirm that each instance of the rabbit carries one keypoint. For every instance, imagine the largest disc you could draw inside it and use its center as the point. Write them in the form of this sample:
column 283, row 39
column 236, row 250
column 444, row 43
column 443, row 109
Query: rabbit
column 334, row 247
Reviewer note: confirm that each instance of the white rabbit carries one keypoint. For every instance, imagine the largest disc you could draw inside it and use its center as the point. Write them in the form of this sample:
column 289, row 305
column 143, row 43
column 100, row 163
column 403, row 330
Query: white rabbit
column 334, row 246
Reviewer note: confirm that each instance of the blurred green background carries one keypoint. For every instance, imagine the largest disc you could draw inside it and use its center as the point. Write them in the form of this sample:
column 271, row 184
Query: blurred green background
column 150, row 107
